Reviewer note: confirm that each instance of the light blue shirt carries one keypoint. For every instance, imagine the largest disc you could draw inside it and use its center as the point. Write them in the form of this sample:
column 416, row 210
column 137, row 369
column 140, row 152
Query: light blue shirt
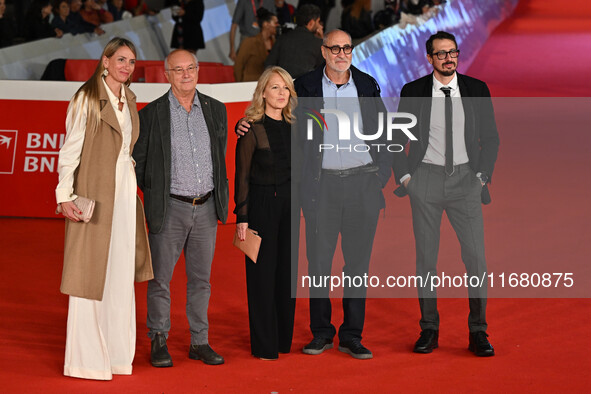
column 346, row 153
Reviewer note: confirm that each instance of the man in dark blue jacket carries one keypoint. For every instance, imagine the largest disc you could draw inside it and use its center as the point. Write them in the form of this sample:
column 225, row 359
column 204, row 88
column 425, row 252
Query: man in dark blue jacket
column 342, row 177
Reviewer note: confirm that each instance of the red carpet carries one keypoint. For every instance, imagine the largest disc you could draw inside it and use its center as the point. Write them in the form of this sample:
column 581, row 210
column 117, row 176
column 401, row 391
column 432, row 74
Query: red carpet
column 539, row 220
column 540, row 344
column 541, row 51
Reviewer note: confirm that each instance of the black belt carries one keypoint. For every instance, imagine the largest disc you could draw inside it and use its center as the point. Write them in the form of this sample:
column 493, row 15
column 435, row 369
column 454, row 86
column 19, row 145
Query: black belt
column 193, row 200
column 368, row 168
column 438, row 168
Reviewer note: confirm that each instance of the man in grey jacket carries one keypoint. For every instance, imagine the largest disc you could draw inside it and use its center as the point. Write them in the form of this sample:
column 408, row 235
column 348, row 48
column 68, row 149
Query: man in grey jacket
column 180, row 167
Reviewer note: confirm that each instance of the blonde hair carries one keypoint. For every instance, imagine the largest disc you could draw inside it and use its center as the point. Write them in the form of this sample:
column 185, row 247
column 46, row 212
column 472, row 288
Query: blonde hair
column 90, row 88
column 256, row 109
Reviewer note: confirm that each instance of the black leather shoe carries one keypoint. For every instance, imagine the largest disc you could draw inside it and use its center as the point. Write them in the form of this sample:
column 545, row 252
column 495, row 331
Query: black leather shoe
column 159, row 355
column 428, row 341
column 206, row 354
column 317, row 346
column 480, row 345
column 355, row 349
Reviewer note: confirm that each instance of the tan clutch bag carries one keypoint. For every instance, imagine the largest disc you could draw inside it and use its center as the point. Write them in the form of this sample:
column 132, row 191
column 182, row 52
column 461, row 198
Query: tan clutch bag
column 86, row 205
column 250, row 246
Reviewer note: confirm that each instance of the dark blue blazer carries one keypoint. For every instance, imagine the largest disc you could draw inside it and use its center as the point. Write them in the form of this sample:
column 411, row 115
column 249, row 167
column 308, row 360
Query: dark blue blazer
column 310, row 85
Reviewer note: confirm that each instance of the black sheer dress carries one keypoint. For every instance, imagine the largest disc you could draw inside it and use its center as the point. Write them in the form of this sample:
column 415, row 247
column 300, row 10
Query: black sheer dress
column 263, row 199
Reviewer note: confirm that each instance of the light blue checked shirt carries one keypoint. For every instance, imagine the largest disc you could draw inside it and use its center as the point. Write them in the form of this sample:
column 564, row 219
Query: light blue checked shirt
column 346, row 99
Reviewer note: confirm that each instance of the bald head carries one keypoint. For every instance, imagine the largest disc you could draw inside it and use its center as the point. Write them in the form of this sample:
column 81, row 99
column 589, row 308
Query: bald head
column 336, row 34
column 337, row 63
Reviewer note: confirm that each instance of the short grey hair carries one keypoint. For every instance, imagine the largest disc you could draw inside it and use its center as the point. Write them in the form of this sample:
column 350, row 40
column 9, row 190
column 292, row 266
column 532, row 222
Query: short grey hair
column 178, row 50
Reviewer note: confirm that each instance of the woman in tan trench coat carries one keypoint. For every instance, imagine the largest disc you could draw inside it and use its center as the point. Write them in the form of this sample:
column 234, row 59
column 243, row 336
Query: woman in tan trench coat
column 102, row 257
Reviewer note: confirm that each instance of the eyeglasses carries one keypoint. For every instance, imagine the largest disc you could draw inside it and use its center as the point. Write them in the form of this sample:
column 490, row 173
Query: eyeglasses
column 335, row 49
column 442, row 55
column 180, row 70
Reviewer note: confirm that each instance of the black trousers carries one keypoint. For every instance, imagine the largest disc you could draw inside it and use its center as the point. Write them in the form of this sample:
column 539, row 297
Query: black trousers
column 271, row 308
column 350, row 206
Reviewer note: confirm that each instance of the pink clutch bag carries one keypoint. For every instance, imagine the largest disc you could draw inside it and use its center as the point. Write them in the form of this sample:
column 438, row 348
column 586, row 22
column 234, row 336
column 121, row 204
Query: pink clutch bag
column 86, row 205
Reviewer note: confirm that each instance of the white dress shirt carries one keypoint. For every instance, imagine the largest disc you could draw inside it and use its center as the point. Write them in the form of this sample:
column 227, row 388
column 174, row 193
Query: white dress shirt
column 436, row 149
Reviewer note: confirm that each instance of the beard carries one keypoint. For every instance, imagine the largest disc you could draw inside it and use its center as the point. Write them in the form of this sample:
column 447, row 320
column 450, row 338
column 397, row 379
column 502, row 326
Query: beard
column 447, row 72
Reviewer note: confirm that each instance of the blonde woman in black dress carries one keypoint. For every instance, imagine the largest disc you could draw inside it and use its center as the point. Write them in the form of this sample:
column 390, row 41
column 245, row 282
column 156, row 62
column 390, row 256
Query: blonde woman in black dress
column 263, row 199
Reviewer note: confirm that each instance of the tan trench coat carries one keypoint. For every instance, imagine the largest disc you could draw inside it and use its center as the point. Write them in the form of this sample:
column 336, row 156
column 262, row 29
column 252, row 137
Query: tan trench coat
column 86, row 249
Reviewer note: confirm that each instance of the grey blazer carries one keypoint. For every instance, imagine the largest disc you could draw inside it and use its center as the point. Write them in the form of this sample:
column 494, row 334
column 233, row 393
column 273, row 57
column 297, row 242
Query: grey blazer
column 152, row 154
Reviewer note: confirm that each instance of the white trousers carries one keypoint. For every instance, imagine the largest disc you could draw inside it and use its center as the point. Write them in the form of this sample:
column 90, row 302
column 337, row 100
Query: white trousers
column 101, row 334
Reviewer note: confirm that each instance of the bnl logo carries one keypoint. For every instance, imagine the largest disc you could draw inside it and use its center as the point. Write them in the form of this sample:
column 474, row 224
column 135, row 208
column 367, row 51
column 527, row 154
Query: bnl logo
column 344, row 130
column 7, row 150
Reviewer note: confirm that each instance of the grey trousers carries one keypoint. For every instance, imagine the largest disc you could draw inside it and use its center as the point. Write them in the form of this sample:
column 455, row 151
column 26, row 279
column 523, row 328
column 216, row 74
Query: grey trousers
column 191, row 229
column 431, row 192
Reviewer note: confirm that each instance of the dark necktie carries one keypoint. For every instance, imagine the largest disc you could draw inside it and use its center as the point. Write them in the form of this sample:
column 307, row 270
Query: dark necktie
column 449, row 141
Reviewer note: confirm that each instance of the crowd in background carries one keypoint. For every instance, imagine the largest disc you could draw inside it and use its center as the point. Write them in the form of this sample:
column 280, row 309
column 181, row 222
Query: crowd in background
column 278, row 35
column 260, row 29
column 29, row 20
column 404, row 12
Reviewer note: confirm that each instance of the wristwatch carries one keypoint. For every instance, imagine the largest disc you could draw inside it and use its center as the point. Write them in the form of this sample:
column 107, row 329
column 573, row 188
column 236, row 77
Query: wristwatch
column 483, row 177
